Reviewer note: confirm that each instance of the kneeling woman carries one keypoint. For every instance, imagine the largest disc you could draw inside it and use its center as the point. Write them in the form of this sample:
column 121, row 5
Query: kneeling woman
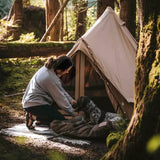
column 45, row 94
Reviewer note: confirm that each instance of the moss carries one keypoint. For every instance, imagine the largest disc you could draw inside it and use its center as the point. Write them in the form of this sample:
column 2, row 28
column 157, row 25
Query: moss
column 16, row 49
column 56, row 155
column 154, row 76
column 17, row 73
column 21, row 140
column 35, row 44
column 148, row 27
column 113, row 138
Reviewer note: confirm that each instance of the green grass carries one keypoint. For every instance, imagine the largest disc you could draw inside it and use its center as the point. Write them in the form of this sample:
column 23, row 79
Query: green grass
column 15, row 73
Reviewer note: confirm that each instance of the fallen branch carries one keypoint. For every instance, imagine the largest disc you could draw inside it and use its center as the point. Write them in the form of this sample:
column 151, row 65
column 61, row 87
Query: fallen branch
column 15, row 94
column 54, row 21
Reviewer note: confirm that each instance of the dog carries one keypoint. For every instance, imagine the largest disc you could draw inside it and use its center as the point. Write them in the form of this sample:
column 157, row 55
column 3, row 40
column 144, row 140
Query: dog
column 93, row 114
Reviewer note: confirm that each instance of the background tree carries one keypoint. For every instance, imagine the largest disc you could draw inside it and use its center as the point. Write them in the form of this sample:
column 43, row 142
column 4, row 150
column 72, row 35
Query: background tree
column 61, row 21
column 145, row 122
column 102, row 5
column 138, row 21
column 128, row 14
column 52, row 7
column 81, row 19
column 16, row 19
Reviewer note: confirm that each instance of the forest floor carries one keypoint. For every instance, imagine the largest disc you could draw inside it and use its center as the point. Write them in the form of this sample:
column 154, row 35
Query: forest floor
column 15, row 75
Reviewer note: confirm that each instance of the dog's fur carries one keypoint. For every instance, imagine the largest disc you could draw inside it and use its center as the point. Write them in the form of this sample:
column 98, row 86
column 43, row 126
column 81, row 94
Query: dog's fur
column 92, row 113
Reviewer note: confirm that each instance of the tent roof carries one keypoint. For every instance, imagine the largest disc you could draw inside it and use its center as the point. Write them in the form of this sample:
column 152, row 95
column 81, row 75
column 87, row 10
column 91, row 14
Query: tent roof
column 111, row 46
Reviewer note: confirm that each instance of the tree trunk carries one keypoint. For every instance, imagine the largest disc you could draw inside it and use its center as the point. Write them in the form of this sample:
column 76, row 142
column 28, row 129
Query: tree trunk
column 81, row 19
column 61, row 21
column 145, row 122
column 53, row 22
column 102, row 5
column 128, row 14
column 138, row 21
column 16, row 19
column 66, row 24
column 52, row 7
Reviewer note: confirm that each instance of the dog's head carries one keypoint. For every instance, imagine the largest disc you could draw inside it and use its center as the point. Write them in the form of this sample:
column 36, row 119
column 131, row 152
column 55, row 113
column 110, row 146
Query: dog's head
column 91, row 111
column 84, row 103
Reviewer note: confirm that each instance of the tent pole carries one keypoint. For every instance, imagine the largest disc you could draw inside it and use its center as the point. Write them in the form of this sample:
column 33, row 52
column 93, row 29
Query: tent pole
column 82, row 77
column 79, row 80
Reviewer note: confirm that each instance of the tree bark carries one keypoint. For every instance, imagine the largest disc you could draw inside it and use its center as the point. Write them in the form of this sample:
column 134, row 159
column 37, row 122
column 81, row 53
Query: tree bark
column 52, row 7
column 138, row 21
column 128, row 14
column 61, row 21
column 16, row 19
column 81, row 19
column 53, row 21
column 102, row 5
column 66, row 24
column 145, row 122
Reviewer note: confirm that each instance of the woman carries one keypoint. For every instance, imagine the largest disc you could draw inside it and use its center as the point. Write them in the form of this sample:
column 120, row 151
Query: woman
column 45, row 94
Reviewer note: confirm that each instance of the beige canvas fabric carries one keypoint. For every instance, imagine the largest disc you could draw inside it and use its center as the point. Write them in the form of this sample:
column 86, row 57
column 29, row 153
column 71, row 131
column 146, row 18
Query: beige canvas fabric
column 109, row 45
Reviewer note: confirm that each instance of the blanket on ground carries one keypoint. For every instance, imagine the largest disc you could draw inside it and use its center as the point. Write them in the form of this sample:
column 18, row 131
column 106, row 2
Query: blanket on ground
column 41, row 133
column 75, row 128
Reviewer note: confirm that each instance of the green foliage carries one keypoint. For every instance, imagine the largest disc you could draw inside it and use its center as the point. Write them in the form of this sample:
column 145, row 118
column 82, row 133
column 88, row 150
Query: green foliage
column 154, row 75
column 112, row 138
column 91, row 16
column 29, row 37
column 2, row 29
column 38, row 3
column 4, row 24
column 15, row 73
column 70, row 14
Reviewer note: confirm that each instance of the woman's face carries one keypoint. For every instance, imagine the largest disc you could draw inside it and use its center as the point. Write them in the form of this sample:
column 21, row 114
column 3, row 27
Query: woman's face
column 61, row 73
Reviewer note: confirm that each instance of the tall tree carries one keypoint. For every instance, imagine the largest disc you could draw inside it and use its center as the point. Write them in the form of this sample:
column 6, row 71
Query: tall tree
column 61, row 22
column 138, row 21
column 145, row 122
column 102, row 5
column 81, row 19
column 128, row 14
column 16, row 19
column 52, row 7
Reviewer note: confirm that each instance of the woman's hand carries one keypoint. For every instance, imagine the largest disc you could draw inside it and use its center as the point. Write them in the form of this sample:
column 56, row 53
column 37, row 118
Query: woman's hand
column 73, row 102
column 76, row 114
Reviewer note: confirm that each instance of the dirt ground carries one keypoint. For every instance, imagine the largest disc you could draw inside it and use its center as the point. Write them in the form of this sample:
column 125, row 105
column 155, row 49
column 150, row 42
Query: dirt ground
column 20, row 148
column 14, row 76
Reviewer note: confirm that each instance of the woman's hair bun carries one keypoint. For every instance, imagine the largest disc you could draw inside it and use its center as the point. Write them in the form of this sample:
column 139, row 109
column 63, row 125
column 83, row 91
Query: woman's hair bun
column 50, row 63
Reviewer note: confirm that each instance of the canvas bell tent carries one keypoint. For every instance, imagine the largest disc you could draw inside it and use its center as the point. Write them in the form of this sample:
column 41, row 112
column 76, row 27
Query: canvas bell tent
column 106, row 54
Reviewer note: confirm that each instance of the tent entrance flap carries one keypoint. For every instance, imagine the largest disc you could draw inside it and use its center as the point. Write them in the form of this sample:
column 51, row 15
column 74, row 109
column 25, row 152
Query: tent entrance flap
column 89, row 83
